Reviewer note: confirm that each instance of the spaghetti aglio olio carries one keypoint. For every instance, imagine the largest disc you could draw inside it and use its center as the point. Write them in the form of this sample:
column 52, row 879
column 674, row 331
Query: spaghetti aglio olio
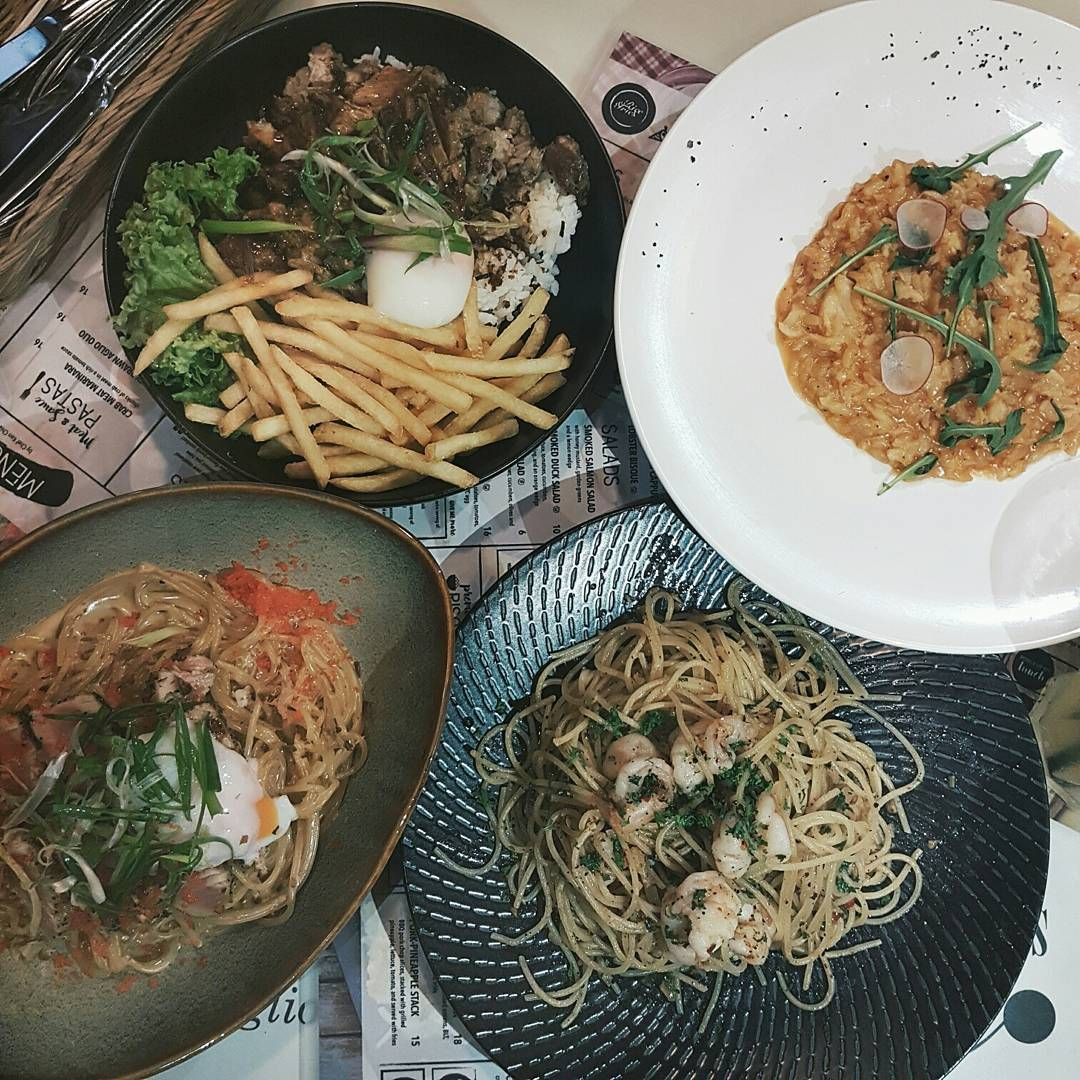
column 169, row 742
column 682, row 794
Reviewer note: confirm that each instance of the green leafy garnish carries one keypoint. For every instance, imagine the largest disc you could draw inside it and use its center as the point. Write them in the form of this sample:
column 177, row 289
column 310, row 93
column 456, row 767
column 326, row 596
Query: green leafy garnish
column 645, row 786
column 656, row 720
column 892, row 314
column 885, row 235
column 998, row 436
column 590, row 860
column 617, row 853
column 688, row 819
column 982, row 359
column 1057, row 429
column 609, row 722
column 984, row 379
column 1053, row 343
column 157, row 237
column 844, row 884
column 980, row 266
column 697, row 900
column 915, row 258
column 940, row 178
column 915, row 469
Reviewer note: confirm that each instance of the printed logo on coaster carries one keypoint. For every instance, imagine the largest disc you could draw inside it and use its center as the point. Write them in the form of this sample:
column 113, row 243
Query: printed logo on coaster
column 628, row 108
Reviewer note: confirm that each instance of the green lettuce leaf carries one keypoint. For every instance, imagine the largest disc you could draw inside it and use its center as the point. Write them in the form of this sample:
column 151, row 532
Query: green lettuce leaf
column 193, row 367
column 157, row 237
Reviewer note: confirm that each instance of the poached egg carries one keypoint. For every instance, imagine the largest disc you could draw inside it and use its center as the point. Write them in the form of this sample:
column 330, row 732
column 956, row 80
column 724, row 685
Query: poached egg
column 249, row 821
column 431, row 293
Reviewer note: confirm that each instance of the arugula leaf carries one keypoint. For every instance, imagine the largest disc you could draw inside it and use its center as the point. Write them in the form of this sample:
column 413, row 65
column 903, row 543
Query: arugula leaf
column 984, row 379
column 892, row 314
column 915, row 469
column 1053, row 344
column 885, row 235
column 1057, row 429
column 980, row 266
column 940, row 177
column 998, row 436
column 657, row 720
column 982, row 359
column 915, row 258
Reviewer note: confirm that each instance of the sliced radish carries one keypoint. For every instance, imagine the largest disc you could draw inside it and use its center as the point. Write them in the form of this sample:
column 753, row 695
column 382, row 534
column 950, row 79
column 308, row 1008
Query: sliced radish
column 906, row 364
column 974, row 219
column 1030, row 219
column 920, row 223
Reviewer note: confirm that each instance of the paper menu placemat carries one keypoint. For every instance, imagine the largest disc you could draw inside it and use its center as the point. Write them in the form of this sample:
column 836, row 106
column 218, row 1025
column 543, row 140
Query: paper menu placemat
column 280, row 1043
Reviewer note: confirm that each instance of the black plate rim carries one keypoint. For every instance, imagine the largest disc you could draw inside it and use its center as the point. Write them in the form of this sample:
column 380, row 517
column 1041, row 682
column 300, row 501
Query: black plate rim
column 518, row 572
column 114, row 289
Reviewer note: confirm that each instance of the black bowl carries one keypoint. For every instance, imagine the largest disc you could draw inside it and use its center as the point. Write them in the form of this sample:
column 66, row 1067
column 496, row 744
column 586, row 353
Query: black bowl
column 208, row 106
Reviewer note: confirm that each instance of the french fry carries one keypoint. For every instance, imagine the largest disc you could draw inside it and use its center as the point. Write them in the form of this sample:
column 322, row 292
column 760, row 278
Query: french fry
column 494, row 369
column 203, row 414
column 519, row 326
column 235, row 418
column 284, row 446
column 241, row 291
column 342, row 463
column 471, row 417
column 320, row 293
column 355, row 392
column 274, row 427
column 260, row 406
column 297, row 425
column 258, row 381
column 420, row 377
column 222, row 322
column 386, row 481
column 232, row 395
column 488, row 333
column 222, row 271
column 397, row 456
column 547, row 385
column 535, row 341
column 470, row 440
column 470, row 318
column 433, row 413
column 310, row 307
column 325, row 397
column 523, row 410
column 158, row 342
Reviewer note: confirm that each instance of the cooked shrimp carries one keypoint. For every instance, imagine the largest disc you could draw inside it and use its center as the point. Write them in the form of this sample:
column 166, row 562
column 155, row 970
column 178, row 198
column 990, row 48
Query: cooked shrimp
column 696, row 761
column 754, row 934
column 699, row 917
column 730, row 853
column 643, row 787
column 622, row 751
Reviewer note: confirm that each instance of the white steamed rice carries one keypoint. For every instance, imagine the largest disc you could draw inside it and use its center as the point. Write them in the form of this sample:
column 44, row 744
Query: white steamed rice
column 553, row 219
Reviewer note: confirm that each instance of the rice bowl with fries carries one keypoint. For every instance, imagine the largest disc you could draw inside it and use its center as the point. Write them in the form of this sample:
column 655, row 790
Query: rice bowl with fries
column 368, row 290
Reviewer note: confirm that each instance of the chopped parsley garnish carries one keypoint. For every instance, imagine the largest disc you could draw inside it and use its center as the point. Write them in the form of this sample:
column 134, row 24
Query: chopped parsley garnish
column 610, row 723
column 657, row 720
column 617, row 853
column 646, row 785
column 697, row 901
column 590, row 860
column 844, row 883
column 690, row 819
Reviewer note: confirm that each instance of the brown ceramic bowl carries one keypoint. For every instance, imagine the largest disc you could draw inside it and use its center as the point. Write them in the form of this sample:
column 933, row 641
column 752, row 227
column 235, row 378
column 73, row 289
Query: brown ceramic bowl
column 57, row 1029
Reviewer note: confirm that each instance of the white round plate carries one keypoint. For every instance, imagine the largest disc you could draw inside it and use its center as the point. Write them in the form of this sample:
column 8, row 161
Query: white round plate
column 740, row 185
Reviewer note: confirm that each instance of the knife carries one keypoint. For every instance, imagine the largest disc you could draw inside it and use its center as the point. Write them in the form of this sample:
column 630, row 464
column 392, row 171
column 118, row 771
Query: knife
column 24, row 49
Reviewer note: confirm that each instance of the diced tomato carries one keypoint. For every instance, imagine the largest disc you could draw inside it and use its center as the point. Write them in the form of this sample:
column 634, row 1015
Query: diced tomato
column 202, row 893
column 111, row 695
column 53, row 732
column 262, row 663
column 126, row 983
column 46, row 659
column 86, row 922
column 3, row 944
column 61, row 961
column 4, row 652
column 128, row 621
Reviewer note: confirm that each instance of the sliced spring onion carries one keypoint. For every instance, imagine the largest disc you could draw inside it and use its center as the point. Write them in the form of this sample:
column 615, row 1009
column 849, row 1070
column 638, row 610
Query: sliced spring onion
column 97, row 891
column 347, row 278
column 45, row 783
column 250, row 227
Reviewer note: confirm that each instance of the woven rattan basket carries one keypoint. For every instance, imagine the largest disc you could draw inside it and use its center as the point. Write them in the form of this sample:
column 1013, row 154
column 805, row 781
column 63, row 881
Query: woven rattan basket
column 81, row 179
